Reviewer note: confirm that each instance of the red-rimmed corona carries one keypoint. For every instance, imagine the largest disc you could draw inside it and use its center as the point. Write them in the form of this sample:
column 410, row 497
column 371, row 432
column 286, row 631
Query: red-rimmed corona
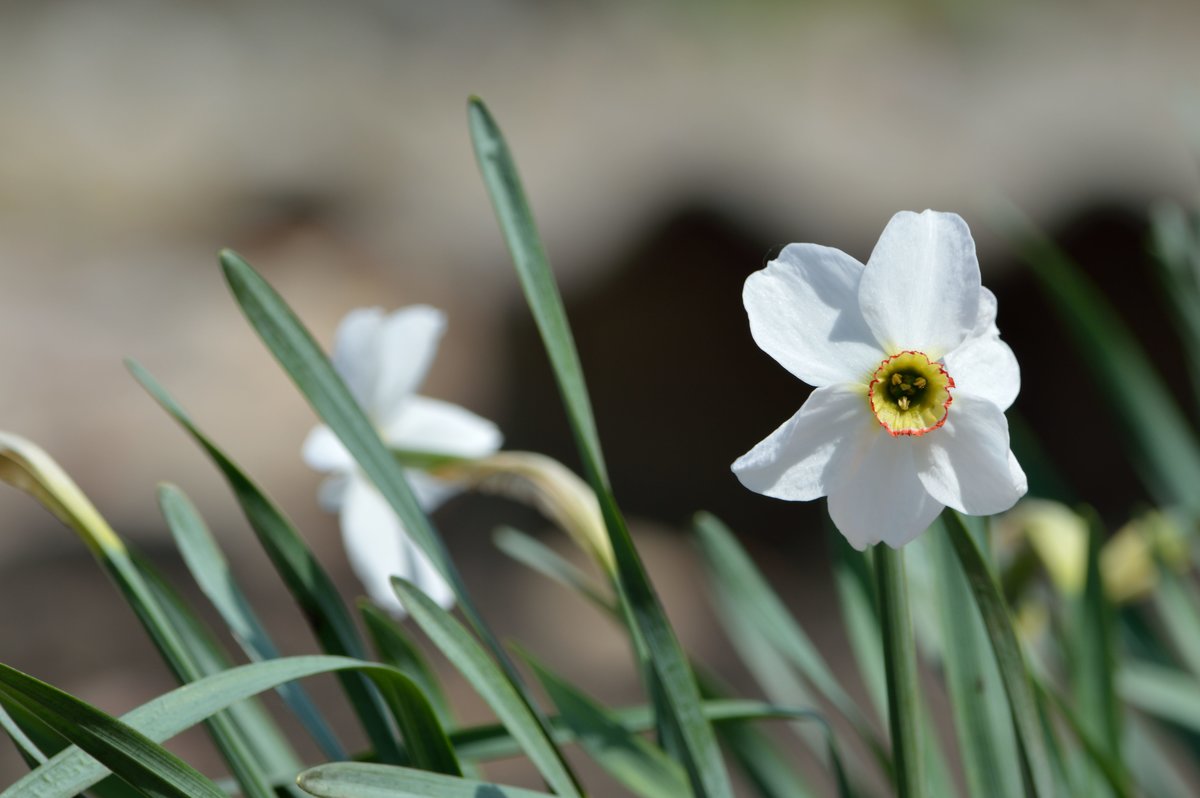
column 911, row 377
column 910, row 394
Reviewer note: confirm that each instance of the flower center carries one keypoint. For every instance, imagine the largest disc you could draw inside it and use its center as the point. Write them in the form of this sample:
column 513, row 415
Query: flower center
column 910, row 394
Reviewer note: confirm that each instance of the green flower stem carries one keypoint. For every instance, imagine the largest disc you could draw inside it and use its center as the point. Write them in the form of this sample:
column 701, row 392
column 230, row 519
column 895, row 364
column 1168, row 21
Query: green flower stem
column 900, row 661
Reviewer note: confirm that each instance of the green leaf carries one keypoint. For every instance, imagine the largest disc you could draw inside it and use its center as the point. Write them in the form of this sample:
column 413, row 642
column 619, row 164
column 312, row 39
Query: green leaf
column 127, row 753
column 493, row 741
column 1161, row 691
column 1164, row 447
column 396, row 649
column 539, row 557
column 311, row 371
column 246, row 725
column 72, row 771
column 982, row 718
column 1013, row 672
column 856, row 593
column 679, row 693
column 1092, row 657
column 307, row 581
column 211, row 571
column 489, row 681
column 769, row 771
column 900, row 666
column 359, row 780
column 752, row 602
column 630, row 759
column 25, row 465
column 41, row 742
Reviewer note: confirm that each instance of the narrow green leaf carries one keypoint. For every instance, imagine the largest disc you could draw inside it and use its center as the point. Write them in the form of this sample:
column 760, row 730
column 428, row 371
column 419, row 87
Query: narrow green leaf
column 1175, row 243
column 679, row 693
column 539, row 557
column 127, row 753
column 769, row 771
column 42, row 742
column 900, row 665
column 630, row 759
column 1164, row 448
column 211, row 571
column 307, row 581
column 396, row 649
column 982, row 719
column 72, row 771
column 246, row 726
column 493, row 741
column 1179, row 608
column 860, row 616
column 1154, row 770
column 489, row 681
column 1090, row 635
column 755, row 603
column 25, row 465
column 360, row 780
column 1109, row 767
column 304, row 361
column 1013, row 672
column 1161, row 691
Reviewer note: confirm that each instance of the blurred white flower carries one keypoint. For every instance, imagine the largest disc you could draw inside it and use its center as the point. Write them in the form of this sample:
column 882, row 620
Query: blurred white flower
column 383, row 358
column 912, row 381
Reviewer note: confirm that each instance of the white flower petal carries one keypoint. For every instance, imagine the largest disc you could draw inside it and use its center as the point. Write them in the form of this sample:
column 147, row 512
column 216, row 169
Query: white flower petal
column 331, row 493
column 422, row 424
column 799, row 459
column 985, row 321
column 324, row 452
column 356, row 353
column 880, row 497
column 804, row 312
column 430, row 492
column 987, row 368
column 967, row 464
column 408, row 341
column 378, row 549
column 920, row 289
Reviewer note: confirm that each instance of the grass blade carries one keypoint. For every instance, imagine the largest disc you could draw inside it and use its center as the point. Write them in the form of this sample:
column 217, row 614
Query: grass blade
column 127, row 753
column 1090, row 637
column 754, row 602
column 359, row 780
column 211, row 571
column 630, row 759
column 72, row 771
column 676, row 682
column 304, row 361
column 396, row 649
column 307, row 581
column 1161, row 691
column 28, row 467
column 982, row 719
column 539, row 557
column 258, row 737
column 1164, row 448
column 900, row 666
column 1013, row 671
column 489, row 681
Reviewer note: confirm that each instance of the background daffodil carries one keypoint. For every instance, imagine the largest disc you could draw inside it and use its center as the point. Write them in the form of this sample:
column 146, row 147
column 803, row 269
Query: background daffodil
column 383, row 359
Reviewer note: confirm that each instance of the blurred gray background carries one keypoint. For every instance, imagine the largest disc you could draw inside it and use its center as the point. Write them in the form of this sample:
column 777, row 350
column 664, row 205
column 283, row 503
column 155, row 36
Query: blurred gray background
column 669, row 149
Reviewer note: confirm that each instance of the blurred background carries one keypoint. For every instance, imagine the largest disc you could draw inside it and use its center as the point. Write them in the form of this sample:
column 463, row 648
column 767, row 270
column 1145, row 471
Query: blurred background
column 669, row 149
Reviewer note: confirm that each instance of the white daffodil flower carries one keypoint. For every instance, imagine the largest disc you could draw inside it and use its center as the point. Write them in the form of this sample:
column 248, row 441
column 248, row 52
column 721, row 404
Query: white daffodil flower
column 383, row 358
column 911, row 377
